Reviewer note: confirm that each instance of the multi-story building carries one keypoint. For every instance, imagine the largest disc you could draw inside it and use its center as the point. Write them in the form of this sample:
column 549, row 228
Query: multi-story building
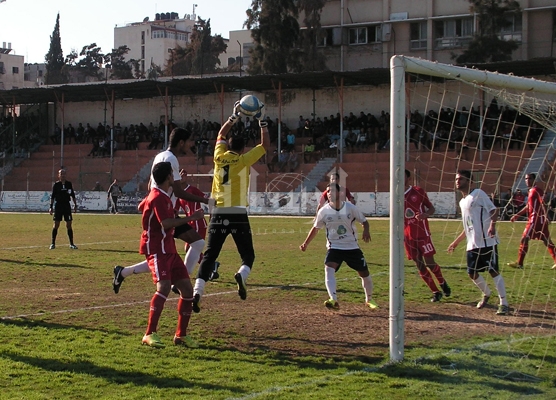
column 151, row 42
column 11, row 69
column 366, row 33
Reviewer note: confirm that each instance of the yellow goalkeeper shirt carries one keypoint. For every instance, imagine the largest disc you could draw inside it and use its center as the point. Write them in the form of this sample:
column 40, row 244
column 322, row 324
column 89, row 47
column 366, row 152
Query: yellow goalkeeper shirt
column 231, row 174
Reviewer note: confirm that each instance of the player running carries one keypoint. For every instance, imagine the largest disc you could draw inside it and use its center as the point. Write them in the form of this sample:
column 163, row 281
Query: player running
column 338, row 217
column 537, row 223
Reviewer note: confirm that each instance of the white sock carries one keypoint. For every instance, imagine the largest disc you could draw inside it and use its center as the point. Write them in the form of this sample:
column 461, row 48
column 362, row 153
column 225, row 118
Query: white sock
column 199, row 287
column 192, row 255
column 244, row 271
column 139, row 268
column 482, row 285
column 501, row 288
column 330, row 282
column 367, row 284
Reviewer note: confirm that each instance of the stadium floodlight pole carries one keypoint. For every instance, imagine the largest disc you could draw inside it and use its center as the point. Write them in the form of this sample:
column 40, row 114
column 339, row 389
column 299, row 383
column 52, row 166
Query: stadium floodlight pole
column 397, row 188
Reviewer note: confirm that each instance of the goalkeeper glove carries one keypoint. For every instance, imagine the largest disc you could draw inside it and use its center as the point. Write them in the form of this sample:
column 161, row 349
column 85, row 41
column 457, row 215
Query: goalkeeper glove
column 260, row 116
column 236, row 114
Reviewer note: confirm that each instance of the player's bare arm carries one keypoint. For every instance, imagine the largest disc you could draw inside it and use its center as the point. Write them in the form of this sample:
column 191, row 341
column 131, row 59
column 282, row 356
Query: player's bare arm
column 455, row 243
column 493, row 218
column 366, row 233
column 312, row 233
column 425, row 215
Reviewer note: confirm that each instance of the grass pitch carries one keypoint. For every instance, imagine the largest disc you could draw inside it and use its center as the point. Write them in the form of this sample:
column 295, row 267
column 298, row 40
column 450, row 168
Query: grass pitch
column 66, row 335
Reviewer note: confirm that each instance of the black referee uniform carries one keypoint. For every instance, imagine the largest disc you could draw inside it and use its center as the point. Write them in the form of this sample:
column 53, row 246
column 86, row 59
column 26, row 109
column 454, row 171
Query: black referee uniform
column 60, row 207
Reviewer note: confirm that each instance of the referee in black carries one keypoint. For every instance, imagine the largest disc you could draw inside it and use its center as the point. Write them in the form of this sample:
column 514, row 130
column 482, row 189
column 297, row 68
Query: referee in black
column 62, row 191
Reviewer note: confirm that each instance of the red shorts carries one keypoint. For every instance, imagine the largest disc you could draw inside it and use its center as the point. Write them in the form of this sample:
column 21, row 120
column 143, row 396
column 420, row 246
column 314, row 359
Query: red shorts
column 418, row 248
column 538, row 230
column 167, row 267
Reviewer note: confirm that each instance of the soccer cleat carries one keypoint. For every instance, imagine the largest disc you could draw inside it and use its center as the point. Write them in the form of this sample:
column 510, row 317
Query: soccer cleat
column 514, row 265
column 437, row 296
column 554, row 266
column 332, row 304
column 175, row 290
column 186, row 341
column 446, row 289
column 118, row 278
column 214, row 275
column 241, row 288
column 153, row 340
column 503, row 310
column 483, row 301
column 371, row 304
column 196, row 301
column 73, row 247
column 52, row 246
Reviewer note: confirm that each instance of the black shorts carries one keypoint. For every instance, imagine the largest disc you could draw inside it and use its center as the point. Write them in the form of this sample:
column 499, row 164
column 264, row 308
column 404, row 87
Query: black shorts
column 483, row 259
column 181, row 229
column 353, row 258
column 62, row 212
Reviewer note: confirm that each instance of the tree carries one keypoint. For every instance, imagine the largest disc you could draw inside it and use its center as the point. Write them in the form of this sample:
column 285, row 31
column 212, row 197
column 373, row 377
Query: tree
column 275, row 32
column 119, row 67
column 200, row 55
column 92, row 61
column 55, row 72
column 486, row 45
column 311, row 59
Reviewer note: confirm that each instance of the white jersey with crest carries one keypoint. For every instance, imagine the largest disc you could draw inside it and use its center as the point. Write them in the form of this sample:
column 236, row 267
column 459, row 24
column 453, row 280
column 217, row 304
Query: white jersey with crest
column 475, row 211
column 340, row 225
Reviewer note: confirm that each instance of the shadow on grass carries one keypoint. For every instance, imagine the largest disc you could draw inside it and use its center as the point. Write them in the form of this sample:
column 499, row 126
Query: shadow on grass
column 31, row 323
column 139, row 256
column 491, row 378
column 42, row 264
column 113, row 375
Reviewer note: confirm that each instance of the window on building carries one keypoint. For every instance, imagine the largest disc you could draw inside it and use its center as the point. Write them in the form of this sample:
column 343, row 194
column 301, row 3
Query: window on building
column 452, row 33
column 513, row 30
column 142, row 37
column 418, row 35
column 554, row 26
column 15, row 70
column 358, row 35
column 2, row 70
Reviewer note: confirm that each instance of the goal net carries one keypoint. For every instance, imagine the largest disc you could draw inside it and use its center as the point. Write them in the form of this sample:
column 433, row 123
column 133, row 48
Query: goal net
column 499, row 127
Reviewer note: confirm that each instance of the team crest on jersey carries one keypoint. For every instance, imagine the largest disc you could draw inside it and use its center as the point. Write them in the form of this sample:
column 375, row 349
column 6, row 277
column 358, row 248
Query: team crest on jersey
column 341, row 230
column 409, row 213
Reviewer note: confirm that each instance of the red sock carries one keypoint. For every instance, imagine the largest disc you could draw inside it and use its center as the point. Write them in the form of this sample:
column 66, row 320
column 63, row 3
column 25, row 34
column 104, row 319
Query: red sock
column 157, row 305
column 438, row 273
column 552, row 250
column 427, row 277
column 185, row 306
column 523, row 248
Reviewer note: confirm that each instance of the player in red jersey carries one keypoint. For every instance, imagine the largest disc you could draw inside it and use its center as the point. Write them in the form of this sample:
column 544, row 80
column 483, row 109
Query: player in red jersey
column 167, row 267
column 200, row 226
column 335, row 178
column 417, row 238
column 537, row 223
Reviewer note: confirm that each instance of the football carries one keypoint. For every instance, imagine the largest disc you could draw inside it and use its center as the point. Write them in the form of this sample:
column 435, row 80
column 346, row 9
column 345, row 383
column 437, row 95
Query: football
column 249, row 105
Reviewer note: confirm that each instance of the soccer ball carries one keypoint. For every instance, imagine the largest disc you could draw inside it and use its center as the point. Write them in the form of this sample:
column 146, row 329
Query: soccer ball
column 249, row 105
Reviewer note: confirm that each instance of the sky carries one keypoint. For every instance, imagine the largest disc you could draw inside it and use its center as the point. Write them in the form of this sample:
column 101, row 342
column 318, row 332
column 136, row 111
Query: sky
column 28, row 24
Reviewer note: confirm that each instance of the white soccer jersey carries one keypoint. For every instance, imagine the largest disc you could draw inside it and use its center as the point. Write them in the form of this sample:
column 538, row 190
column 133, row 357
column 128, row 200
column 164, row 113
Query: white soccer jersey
column 340, row 225
column 168, row 156
column 475, row 211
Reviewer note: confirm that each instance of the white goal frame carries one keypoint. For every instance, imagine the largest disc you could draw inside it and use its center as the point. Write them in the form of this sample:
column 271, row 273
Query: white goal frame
column 399, row 66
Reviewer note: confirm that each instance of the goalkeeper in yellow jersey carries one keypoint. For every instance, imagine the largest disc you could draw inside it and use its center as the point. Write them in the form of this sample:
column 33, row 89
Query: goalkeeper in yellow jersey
column 230, row 190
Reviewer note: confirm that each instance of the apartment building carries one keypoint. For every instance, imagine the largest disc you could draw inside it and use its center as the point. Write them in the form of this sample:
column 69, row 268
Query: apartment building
column 11, row 68
column 151, row 42
column 366, row 33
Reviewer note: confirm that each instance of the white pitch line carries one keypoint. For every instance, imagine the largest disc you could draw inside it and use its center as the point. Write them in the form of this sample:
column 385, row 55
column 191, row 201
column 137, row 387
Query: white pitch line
column 80, row 244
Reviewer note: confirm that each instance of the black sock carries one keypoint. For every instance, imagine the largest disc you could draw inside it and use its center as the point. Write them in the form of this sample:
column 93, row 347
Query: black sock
column 54, row 233
column 70, row 235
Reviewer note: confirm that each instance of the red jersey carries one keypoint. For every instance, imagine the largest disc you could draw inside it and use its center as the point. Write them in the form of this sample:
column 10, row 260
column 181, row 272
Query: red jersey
column 156, row 208
column 535, row 206
column 189, row 207
column 416, row 201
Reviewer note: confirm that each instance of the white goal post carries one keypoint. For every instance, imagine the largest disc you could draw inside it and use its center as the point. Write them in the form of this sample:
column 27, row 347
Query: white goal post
column 499, row 86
